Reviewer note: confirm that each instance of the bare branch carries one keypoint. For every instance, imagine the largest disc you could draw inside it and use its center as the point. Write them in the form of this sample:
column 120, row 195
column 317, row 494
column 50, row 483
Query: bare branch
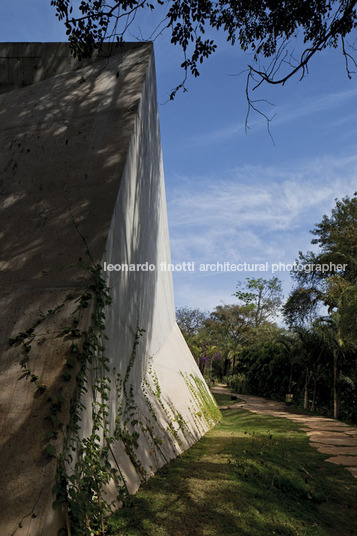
column 252, row 106
column 348, row 58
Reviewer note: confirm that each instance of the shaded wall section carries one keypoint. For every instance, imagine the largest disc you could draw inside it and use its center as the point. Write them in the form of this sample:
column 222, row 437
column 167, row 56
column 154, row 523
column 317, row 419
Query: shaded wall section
column 81, row 172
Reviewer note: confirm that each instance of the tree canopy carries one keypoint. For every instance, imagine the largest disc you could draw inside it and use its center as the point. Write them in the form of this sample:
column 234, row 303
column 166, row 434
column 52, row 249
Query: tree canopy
column 263, row 296
column 314, row 359
column 282, row 36
column 336, row 286
column 336, row 238
column 335, row 334
column 190, row 320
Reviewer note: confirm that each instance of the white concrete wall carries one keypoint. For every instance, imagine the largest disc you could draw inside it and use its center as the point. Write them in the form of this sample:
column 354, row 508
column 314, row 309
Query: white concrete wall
column 63, row 147
column 82, row 149
column 139, row 235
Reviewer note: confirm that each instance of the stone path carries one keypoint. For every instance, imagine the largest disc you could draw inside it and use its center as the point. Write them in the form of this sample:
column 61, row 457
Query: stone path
column 329, row 436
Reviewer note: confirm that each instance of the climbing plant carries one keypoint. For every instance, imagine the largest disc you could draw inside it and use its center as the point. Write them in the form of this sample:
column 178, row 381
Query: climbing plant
column 86, row 463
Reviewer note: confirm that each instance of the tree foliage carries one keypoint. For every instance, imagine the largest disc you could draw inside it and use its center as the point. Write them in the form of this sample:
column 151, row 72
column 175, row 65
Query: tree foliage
column 229, row 328
column 263, row 296
column 268, row 29
column 336, row 238
column 315, row 358
column 347, row 307
column 301, row 306
column 190, row 320
column 329, row 342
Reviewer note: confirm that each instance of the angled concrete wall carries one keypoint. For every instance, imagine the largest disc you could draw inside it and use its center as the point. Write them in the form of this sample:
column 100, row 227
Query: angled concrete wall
column 81, row 168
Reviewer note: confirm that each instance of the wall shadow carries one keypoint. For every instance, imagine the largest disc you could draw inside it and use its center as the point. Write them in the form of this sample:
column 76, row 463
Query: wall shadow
column 64, row 144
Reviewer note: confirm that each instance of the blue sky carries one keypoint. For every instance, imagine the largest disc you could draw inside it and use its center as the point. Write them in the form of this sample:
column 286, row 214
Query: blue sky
column 235, row 197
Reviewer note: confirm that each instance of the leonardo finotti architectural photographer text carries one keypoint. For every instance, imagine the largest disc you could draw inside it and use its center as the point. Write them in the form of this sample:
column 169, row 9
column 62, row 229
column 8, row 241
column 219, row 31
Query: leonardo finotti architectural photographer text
column 191, row 266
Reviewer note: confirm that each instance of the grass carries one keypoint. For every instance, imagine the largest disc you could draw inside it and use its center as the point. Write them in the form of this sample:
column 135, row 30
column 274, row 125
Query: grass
column 252, row 475
column 226, row 400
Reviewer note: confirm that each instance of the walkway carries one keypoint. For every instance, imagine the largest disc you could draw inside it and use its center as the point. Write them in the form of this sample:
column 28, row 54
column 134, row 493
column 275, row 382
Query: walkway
column 327, row 435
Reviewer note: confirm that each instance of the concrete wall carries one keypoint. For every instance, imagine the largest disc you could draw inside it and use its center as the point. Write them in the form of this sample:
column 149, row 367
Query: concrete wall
column 81, row 166
column 24, row 64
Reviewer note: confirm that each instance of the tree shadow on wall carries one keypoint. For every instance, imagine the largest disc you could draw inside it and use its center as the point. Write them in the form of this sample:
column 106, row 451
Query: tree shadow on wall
column 65, row 143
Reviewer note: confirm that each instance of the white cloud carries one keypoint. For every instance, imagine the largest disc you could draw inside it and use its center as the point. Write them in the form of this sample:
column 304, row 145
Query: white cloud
column 284, row 114
column 256, row 213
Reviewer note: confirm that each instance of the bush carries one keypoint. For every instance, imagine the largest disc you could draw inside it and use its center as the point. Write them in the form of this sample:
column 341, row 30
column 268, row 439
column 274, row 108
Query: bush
column 237, row 382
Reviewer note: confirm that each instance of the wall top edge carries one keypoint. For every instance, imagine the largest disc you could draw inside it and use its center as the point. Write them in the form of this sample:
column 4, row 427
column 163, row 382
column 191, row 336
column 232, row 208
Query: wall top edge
column 19, row 45
column 25, row 63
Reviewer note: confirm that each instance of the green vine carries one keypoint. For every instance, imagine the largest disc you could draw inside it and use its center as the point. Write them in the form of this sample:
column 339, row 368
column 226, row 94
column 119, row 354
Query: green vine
column 208, row 410
column 26, row 339
column 84, row 467
column 87, row 465
column 175, row 421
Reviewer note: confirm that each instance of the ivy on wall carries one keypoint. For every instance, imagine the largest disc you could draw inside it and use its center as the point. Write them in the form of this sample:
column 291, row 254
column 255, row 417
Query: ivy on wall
column 86, row 466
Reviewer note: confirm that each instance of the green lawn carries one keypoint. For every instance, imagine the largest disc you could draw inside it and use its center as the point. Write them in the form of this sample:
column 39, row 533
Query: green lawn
column 252, row 475
column 226, row 400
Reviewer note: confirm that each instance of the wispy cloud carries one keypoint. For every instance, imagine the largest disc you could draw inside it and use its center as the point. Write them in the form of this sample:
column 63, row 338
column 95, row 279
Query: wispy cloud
column 254, row 215
column 256, row 212
column 285, row 114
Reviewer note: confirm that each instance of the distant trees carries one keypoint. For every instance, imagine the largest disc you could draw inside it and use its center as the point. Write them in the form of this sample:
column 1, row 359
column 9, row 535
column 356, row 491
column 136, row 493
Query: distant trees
column 264, row 364
column 336, row 237
column 229, row 328
column 190, row 321
column 302, row 306
column 334, row 287
column 263, row 296
column 215, row 339
column 315, row 357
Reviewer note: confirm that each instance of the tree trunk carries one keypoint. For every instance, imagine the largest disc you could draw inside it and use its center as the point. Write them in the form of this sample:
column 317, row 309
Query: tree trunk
column 314, row 395
column 335, row 396
column 291, row 377
column 225, row 367
column 306, row 389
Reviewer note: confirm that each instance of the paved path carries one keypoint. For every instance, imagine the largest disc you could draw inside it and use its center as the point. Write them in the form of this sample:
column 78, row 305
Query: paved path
column 327, row 435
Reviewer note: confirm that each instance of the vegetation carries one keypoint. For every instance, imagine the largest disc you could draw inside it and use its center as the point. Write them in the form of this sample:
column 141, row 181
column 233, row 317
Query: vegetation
column 280, row 37
column 250, row 475
column 314, row 356
column 264, row 297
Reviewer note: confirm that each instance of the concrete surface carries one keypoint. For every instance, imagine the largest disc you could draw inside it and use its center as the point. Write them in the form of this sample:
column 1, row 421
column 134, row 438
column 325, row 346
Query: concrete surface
column 80, row 159
column 329, row 436
column 24, row 64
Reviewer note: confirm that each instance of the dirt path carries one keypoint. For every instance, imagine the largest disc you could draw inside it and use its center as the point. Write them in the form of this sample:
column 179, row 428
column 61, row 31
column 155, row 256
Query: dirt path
column 327, row 435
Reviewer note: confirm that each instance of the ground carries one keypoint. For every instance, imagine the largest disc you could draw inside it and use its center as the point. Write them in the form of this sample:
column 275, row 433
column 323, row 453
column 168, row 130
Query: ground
column 327, row 435
column 252, row 475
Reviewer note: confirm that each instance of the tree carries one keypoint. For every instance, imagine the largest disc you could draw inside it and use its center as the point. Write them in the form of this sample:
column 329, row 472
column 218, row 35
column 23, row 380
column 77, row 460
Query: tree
column 190, row 320
column 336, row 237
column 301, row 306
column 289, row 342
column 228, row 328
column 347, row 308
column 263, row 296
column 309, row 358
column 330, row 279
column 192, row 324
column 265, row 368
column 328, row 330
column 336, row 284
column 271, row 30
